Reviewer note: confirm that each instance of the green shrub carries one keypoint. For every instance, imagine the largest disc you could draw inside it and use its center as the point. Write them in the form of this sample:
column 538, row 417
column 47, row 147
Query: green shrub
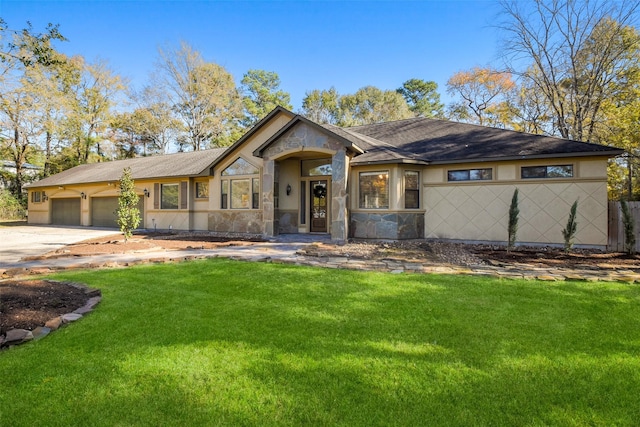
column 514, row 212
column 629, row 228
column 10, row 206
column 569, row 232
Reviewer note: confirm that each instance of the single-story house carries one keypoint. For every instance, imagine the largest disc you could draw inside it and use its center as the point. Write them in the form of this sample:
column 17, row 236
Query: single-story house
column 407, row 179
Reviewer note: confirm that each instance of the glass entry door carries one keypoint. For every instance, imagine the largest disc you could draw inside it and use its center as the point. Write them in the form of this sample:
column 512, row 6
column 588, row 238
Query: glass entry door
column 318, row 206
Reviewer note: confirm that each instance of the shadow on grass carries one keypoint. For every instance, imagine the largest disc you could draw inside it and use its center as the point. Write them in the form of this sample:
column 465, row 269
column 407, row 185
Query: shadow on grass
column 255, row 344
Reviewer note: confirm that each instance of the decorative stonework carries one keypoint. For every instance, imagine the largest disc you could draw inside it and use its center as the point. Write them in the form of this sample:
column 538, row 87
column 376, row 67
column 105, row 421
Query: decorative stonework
column 287, row 221
column 225, row 221
column 303, row 137
column 393, row 225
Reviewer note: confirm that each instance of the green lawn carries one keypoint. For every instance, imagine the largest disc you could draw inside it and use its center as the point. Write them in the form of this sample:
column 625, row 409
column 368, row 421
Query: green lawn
column 220, row 342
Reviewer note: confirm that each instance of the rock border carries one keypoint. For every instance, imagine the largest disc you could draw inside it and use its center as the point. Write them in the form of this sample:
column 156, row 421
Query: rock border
column 15, row 337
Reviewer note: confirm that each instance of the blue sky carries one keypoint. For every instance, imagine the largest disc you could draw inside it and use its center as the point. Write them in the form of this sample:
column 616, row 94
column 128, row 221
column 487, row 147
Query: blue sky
column 310, row 44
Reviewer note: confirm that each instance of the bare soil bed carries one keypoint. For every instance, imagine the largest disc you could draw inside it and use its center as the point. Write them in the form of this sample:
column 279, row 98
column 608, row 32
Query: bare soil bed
column 29, row 304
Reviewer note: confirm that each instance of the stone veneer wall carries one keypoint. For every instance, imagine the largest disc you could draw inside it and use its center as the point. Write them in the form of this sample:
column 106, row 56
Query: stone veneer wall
column 304, row 137
column 287, row 221
column 236, row 222
column 392, row 225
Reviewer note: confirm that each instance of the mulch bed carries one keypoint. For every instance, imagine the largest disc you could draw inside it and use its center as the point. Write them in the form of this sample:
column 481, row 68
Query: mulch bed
column 28, row 304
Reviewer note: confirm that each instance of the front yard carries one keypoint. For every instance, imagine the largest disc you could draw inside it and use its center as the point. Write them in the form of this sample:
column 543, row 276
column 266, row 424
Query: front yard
column 220, row 342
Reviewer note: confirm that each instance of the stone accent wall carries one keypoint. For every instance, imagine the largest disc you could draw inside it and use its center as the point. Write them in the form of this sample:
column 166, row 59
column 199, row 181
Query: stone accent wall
column 392, row 225
column 305, row 138
column 287, row 221
column 225, row 221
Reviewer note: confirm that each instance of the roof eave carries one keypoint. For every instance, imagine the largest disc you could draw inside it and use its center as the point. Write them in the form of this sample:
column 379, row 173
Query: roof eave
column 529, row 157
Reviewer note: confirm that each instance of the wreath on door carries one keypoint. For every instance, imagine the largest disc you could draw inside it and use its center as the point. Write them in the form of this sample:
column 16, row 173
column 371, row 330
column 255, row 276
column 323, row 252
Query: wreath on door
column 320, row 191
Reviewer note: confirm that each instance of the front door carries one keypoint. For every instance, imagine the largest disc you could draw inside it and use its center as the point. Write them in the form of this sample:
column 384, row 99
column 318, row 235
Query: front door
column 318, row 206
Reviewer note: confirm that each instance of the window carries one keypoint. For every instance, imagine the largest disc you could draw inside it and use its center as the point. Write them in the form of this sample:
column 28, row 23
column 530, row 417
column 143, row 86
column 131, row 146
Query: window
column 240, row 167
column 225, row 195
column 374, row 190
column 36, row 196
column 553, row 171
column 202, row 190
column 316, row 167
column 169, row 196
column 243, row 190
column 470, row 175
column 411, row 190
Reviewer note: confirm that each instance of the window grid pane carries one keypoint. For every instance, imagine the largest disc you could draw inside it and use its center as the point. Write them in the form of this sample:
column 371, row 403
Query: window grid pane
column 316, row 167
column 485, row 174
column 411, row 190
column 374, row 190
column 240, row 167
column 169, row 196
column 202, row 190
column 240, row 191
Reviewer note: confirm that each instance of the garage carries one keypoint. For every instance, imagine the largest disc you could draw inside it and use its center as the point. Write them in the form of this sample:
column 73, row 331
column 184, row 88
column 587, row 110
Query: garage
column 65, row 211
column 103, row 212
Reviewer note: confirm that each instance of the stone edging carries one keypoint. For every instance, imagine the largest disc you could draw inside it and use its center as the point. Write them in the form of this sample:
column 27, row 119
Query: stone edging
column 19, row 336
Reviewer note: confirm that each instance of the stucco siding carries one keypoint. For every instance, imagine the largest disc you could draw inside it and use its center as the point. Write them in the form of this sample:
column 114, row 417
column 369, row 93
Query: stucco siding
column 480, row 212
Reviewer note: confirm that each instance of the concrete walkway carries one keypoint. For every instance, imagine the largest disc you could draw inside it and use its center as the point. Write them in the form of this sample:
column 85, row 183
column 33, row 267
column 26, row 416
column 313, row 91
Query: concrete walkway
column 290, row 250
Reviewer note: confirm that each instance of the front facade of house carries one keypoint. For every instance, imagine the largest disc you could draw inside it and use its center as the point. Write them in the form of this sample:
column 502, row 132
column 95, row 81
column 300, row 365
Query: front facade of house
column 412, row 179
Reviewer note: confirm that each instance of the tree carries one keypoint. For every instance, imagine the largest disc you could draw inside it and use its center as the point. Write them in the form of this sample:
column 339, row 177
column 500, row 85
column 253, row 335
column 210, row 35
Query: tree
column 574, row 54
column 514, row 212
column 483, row 96
column 158, row 124
column 569, row 231
column 203, row 95
column 262, row 94
column 422, row 97
column 94, row 95
column 28, row 48
column 372, row 105
column 128, row 213
column 322, row 106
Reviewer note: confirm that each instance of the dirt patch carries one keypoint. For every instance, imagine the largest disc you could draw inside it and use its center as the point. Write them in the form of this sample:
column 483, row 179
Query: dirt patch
column 145, row 243
column 29, row 304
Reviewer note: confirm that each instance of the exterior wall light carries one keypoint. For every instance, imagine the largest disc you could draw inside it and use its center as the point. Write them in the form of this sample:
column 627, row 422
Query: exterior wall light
column 288, row 189
column 146, row 192
column 83, row 195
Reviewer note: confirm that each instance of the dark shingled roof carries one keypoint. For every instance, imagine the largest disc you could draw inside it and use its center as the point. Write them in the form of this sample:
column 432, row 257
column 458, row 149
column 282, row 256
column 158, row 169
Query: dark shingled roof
column 193, row 163
column 440, row 141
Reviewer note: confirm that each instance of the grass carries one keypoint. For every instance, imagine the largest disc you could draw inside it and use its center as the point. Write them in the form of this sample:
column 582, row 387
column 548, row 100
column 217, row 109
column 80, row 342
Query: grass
column 230, row 343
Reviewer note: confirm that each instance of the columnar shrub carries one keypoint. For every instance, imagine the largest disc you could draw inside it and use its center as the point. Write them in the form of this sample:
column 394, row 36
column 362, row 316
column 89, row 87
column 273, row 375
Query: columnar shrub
column 569, row 232
column 629, row 228
column 128, row 212
column 514, row 212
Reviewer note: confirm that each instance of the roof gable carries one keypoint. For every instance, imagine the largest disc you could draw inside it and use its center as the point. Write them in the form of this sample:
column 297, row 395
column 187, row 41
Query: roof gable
column 349, row 140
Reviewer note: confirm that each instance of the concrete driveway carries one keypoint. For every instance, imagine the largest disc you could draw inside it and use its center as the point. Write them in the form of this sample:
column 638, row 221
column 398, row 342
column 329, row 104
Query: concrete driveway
column 17, row 242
